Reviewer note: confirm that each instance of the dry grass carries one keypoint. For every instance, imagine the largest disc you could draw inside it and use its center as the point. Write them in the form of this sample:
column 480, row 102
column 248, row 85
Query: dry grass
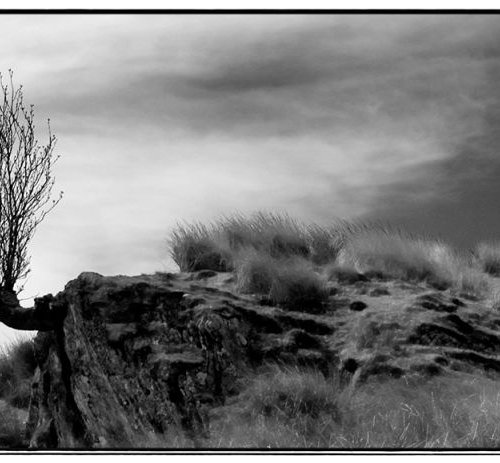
column 291, row 283
column 290, row 392
column 445, row 412
column 193, row 247
column 397, row 255
column 298, row 287
column 488, row 256
column 17, row 365
column 370, row 248
column 277, row 235
column 219, row 244
column 216, row 245
column 256, row 272
column 281, row 408
column 294, row 408
column 372, row 334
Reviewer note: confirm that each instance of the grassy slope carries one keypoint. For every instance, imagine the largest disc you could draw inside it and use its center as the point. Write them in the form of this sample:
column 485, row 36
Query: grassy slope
column 300, row 408
column 293, row 408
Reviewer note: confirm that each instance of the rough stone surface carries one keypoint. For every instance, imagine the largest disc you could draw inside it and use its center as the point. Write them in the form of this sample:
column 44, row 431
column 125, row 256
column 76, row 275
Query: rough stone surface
column 137, row 356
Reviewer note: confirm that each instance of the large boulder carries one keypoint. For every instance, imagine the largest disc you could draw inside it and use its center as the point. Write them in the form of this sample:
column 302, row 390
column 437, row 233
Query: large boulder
column 136, row 359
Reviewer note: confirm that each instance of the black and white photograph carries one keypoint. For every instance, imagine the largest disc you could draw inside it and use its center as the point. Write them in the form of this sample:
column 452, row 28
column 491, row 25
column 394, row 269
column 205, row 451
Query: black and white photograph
column 249, row 230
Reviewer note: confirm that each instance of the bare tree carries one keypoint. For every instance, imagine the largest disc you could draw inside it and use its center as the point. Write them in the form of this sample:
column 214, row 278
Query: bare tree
column 26, row 181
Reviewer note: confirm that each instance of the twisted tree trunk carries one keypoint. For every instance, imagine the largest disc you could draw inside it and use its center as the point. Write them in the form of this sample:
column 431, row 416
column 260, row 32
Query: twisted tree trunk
column 41, row 317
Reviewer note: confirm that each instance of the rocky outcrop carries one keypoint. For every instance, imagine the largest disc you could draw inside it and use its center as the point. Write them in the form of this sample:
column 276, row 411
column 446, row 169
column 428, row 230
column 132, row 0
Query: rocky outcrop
column 137, row 357
column 134, row 360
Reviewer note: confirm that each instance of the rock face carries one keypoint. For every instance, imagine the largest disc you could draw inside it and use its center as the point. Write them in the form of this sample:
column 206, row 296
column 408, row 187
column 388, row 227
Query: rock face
column 135, row 360
column 141, row 356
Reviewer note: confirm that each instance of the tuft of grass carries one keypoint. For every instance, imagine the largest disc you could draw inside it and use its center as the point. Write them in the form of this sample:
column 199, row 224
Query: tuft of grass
column 343, row 273
column 256, row 272
column 291, row 283
column 325, row 243
column 217, row 245
column 278, row 235
column 298, row 287
column 488, row 256
column 193, row 248
column 395, row 254
column 392, row 255
column 289, row 392
column 17, row 366
column 283, row 407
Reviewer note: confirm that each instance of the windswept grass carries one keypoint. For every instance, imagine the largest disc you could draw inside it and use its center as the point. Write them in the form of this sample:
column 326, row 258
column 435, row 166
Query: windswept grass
column 219, row 244
column 298, row 287
column 271, row 254
column 301, row 408
column 215, row 246
column 195, row 247
column 394, row 254
column 278, row 235
column 256, row 272
column 254, row 247
column 291, row 283
column 488, row 256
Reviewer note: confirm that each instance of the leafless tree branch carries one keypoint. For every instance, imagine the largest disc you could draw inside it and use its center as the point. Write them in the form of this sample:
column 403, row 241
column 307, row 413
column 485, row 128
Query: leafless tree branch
column 26, row 182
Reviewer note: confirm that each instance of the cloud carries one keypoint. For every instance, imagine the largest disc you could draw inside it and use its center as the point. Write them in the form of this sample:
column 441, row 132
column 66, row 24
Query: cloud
column 164, row 118
column 324, row 77
column 456, row 197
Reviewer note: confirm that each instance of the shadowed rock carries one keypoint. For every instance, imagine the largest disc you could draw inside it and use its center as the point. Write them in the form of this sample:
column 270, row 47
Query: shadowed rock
column 358, row 306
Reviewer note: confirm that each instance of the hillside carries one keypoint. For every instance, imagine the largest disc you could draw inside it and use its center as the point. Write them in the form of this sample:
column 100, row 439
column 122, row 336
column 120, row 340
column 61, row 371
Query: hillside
column 251, row 346
column 166, row 360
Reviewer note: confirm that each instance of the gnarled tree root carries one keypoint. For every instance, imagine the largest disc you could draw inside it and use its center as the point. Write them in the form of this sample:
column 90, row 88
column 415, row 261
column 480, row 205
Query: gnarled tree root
column 41, row 317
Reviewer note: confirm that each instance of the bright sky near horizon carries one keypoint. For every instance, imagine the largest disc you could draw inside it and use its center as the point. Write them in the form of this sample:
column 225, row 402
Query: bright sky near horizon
column 162, row 118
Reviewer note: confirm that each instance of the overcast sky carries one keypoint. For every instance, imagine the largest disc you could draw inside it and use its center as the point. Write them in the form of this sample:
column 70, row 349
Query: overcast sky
column 166, row 118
